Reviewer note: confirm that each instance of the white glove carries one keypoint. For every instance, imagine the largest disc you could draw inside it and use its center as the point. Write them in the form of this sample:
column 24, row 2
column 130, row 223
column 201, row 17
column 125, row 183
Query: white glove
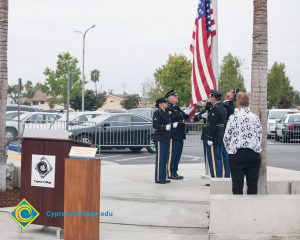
column 209, row 143
column 189, row 110
column 175, row 124
column 204, row 115
column 168, row 127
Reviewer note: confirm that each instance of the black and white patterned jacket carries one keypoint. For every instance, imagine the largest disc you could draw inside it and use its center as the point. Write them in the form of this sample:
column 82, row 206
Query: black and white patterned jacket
column 243, row 130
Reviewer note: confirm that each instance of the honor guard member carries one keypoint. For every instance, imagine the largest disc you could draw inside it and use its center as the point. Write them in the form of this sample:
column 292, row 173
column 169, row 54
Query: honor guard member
column 228, row 103
column 178, row 134
column 216, row 122
column 162, row 125
column 229, row 106
column 203, row 115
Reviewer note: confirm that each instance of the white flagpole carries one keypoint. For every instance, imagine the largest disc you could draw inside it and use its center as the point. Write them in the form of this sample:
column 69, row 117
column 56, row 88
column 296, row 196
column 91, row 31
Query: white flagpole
column 215, row 47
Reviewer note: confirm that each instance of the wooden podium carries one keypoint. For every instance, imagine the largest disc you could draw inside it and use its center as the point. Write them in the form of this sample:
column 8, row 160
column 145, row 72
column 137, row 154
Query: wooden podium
column 42, row 198
column 82, row 195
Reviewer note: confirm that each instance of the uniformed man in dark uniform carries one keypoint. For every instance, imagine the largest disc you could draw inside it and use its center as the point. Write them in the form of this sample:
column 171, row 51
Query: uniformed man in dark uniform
column 162, row 125
column 229, row 106
column 215, row 132
column 178, row 134
column 202, row 115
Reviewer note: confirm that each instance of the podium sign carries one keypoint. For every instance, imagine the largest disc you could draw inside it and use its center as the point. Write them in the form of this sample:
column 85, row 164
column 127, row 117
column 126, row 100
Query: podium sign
column 43, row 171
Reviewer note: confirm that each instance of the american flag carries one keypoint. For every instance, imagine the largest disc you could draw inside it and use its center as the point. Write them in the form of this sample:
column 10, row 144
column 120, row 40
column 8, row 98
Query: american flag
column 203, row 78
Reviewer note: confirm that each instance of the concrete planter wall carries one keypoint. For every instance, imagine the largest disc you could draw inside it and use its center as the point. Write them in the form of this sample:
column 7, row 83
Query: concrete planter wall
column 276, row 214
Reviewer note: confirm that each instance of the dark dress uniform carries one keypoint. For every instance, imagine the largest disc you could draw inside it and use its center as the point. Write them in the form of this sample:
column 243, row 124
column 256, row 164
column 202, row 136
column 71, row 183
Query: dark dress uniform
column 229, row 106
column 161, row 139
column 197, row 118
column 215, row 132
column 178, row 134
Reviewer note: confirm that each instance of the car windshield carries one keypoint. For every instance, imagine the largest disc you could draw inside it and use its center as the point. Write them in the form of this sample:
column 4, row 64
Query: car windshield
column 277, row 114
column 142, row 111
column 101, row 118
column 294, row 119
column 12, row 115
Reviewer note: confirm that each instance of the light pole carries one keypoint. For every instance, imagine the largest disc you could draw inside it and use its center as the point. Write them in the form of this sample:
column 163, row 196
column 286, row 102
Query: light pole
column 83, row 56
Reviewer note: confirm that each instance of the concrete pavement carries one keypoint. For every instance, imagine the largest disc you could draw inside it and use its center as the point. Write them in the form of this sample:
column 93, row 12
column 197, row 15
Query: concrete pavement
column 144, row 210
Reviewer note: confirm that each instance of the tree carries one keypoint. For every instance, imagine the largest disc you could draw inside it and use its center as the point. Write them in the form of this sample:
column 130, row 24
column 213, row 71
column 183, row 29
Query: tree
column 29, row 89
column 280, row 93
column 259, row 74
column 131, row 101
column 175, row 74
column 230, row 74
column 92, row 101
column 3, row 89
column 297, row 98
column 56, row 80
column 13, row 92
column 95, row 75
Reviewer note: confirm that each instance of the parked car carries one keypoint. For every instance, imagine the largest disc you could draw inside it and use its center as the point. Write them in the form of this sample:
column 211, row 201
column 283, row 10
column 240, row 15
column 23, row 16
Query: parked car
column 147, row 112
column 76, row 120
column 119, row 131
column 10, row 115
column 115, row 110
column 275, row 115
column 25, row 108
column 288, row 128
column 32, row 120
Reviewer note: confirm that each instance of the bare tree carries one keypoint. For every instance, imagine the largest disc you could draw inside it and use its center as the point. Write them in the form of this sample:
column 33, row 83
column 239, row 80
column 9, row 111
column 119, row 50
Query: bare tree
column 259, row 79
column 3, row 89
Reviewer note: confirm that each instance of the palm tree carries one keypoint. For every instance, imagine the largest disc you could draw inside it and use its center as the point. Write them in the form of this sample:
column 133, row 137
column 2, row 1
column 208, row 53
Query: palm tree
column 259, row 79
column 3, row 89
column 29, row 89
column 95, row 75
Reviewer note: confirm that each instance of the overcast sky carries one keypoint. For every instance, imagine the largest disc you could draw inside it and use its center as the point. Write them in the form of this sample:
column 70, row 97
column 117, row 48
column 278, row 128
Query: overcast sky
column 134, row 37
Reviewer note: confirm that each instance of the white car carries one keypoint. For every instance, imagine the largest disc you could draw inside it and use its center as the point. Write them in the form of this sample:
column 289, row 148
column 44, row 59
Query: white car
column 10, row 115
column 32, row 120
column 76, row 120
column 275, row 115
column 288, row 128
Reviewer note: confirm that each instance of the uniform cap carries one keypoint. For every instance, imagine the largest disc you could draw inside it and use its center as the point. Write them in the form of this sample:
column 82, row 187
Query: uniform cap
column 235, row 91
column 170, row 93
column 215, row 93
column 160, row 100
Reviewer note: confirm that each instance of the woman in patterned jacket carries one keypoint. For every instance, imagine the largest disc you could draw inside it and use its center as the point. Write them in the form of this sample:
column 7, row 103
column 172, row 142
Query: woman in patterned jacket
column 242, row 141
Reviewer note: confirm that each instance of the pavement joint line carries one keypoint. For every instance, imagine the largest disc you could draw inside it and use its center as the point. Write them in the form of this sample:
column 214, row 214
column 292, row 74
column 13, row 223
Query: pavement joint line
column 127, row 159
column 206, row 203
column 153, row 226
column 189, row 156
column 110, row 156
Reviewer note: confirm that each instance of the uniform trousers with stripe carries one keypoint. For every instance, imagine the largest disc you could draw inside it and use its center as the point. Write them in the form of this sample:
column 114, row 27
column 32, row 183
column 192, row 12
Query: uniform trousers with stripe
column 162, row 156
column 214, row 156
column 176, row 147
column 226, row 168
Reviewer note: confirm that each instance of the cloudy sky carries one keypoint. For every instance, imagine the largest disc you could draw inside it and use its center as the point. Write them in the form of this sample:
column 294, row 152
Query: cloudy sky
column 132, row 38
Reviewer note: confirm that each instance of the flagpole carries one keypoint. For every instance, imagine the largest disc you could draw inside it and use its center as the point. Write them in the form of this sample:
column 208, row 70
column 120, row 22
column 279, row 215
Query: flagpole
column 215, row 45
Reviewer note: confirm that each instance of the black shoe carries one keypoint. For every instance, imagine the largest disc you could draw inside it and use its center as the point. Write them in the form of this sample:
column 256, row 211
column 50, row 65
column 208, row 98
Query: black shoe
column 179, row 177
column 160, row 182
column 163, row 182
column 176, row 177
column 172, row 177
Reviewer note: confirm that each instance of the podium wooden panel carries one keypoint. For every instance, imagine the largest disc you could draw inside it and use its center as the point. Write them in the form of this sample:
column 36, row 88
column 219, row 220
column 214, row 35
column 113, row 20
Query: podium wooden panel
column 82, row 194
column 46, row 199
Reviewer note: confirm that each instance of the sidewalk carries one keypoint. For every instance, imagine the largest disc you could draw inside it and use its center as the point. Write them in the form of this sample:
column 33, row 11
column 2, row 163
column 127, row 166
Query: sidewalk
column 144, row 210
